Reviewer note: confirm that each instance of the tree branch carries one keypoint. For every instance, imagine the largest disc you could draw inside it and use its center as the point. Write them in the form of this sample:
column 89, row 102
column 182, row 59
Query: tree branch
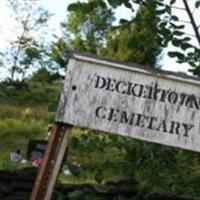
column 187, row 8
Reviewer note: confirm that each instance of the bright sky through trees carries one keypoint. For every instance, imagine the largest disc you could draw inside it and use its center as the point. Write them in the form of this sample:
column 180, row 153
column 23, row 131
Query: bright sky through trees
column 9, row 28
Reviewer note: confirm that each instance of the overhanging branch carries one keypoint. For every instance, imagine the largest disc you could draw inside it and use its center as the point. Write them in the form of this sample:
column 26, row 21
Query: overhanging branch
column 187, row 8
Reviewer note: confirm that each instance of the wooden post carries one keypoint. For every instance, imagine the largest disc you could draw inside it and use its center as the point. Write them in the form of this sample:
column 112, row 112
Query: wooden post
column 54, row 153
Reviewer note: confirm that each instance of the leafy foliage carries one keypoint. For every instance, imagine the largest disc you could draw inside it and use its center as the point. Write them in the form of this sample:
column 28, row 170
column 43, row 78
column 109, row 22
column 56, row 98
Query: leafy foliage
column 25, row 111
column 197, row 4
column 170, row 30
column 28, row 51
column 135, row 40
column 85, row 30
column 154, row 166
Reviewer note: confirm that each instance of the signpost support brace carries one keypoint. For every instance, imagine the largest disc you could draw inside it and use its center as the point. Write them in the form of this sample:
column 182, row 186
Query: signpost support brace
column 54, row 153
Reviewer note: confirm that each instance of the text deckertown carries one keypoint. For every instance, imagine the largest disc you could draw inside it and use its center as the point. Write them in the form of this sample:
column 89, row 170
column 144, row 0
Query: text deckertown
column 147, row 91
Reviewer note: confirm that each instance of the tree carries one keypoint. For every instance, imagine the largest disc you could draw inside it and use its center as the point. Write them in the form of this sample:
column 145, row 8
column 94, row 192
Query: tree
column 27, row 51
column 85, row 29
column 135, row 41
column 89, row 29
column 171, row 30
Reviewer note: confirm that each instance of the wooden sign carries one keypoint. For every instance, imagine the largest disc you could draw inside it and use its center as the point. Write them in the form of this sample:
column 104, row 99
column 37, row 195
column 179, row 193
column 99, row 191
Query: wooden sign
column 131, row 100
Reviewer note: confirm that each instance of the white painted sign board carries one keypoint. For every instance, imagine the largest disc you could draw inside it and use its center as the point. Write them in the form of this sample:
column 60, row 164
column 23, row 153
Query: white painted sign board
column 131, row 100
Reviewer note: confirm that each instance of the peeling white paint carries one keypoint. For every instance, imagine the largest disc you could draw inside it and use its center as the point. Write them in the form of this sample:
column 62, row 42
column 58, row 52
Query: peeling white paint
column 145, row 104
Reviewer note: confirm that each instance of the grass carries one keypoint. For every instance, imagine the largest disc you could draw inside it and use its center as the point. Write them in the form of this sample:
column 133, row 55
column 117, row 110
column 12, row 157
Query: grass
column 98, row 163
column 15, row 133
column 101, row 157
column 17, row 126
column 20, row 124
column 24, row 115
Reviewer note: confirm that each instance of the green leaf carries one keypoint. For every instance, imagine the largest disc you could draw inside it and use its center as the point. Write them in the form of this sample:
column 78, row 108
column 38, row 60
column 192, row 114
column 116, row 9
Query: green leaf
column 186, row 39
column 123, row 21
column 178, row 33
column 128, row 5
column 168, row 9
column 163, row 24
column 186, row 45
column 172, row 2
column 197, row 4
column 164, row 43
column 172, row 54
column 175, row 18
column 160, row 12
column 102, row 4
column 197, row 70
column 177, row 54
column 177, row 26
column 32, row 53
column 81, row 7
column 72, row 7
column 190, row 55
column 165, row 32
column 176, row 42
column 116, row 3
column 160, row 3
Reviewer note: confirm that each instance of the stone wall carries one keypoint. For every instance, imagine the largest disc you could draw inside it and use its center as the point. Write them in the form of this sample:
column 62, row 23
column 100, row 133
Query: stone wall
column 17, row 185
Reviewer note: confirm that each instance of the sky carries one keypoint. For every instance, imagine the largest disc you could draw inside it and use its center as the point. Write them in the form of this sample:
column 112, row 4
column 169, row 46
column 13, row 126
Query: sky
column 9, row 29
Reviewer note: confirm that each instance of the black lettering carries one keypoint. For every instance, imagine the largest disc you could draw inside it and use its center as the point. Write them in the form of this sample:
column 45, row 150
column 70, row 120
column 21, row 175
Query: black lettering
column 138, row 92
column 156, row 91
column 172, row 127
column 187, row 128
column 177, row 128
column 140, row 120
column 126, row 119
column 162, row 126
column 129, row 88
column 113, row 115
column 182, row 96
column 163, row 95
column 152, row 120
column 100, row 82
column 172, row 97
column 199, row 101
column 150, row 92
column 119, row 87
column 100, row 112
column 111, row 84
column 191, row 102
column 147, row 94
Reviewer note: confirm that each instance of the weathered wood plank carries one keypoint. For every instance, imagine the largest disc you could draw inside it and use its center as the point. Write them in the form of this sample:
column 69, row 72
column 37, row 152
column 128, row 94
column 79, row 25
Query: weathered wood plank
column 46, row 177
column 139, row 103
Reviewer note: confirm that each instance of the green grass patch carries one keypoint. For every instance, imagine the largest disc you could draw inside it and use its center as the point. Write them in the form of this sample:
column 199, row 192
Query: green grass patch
column 14, row 134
